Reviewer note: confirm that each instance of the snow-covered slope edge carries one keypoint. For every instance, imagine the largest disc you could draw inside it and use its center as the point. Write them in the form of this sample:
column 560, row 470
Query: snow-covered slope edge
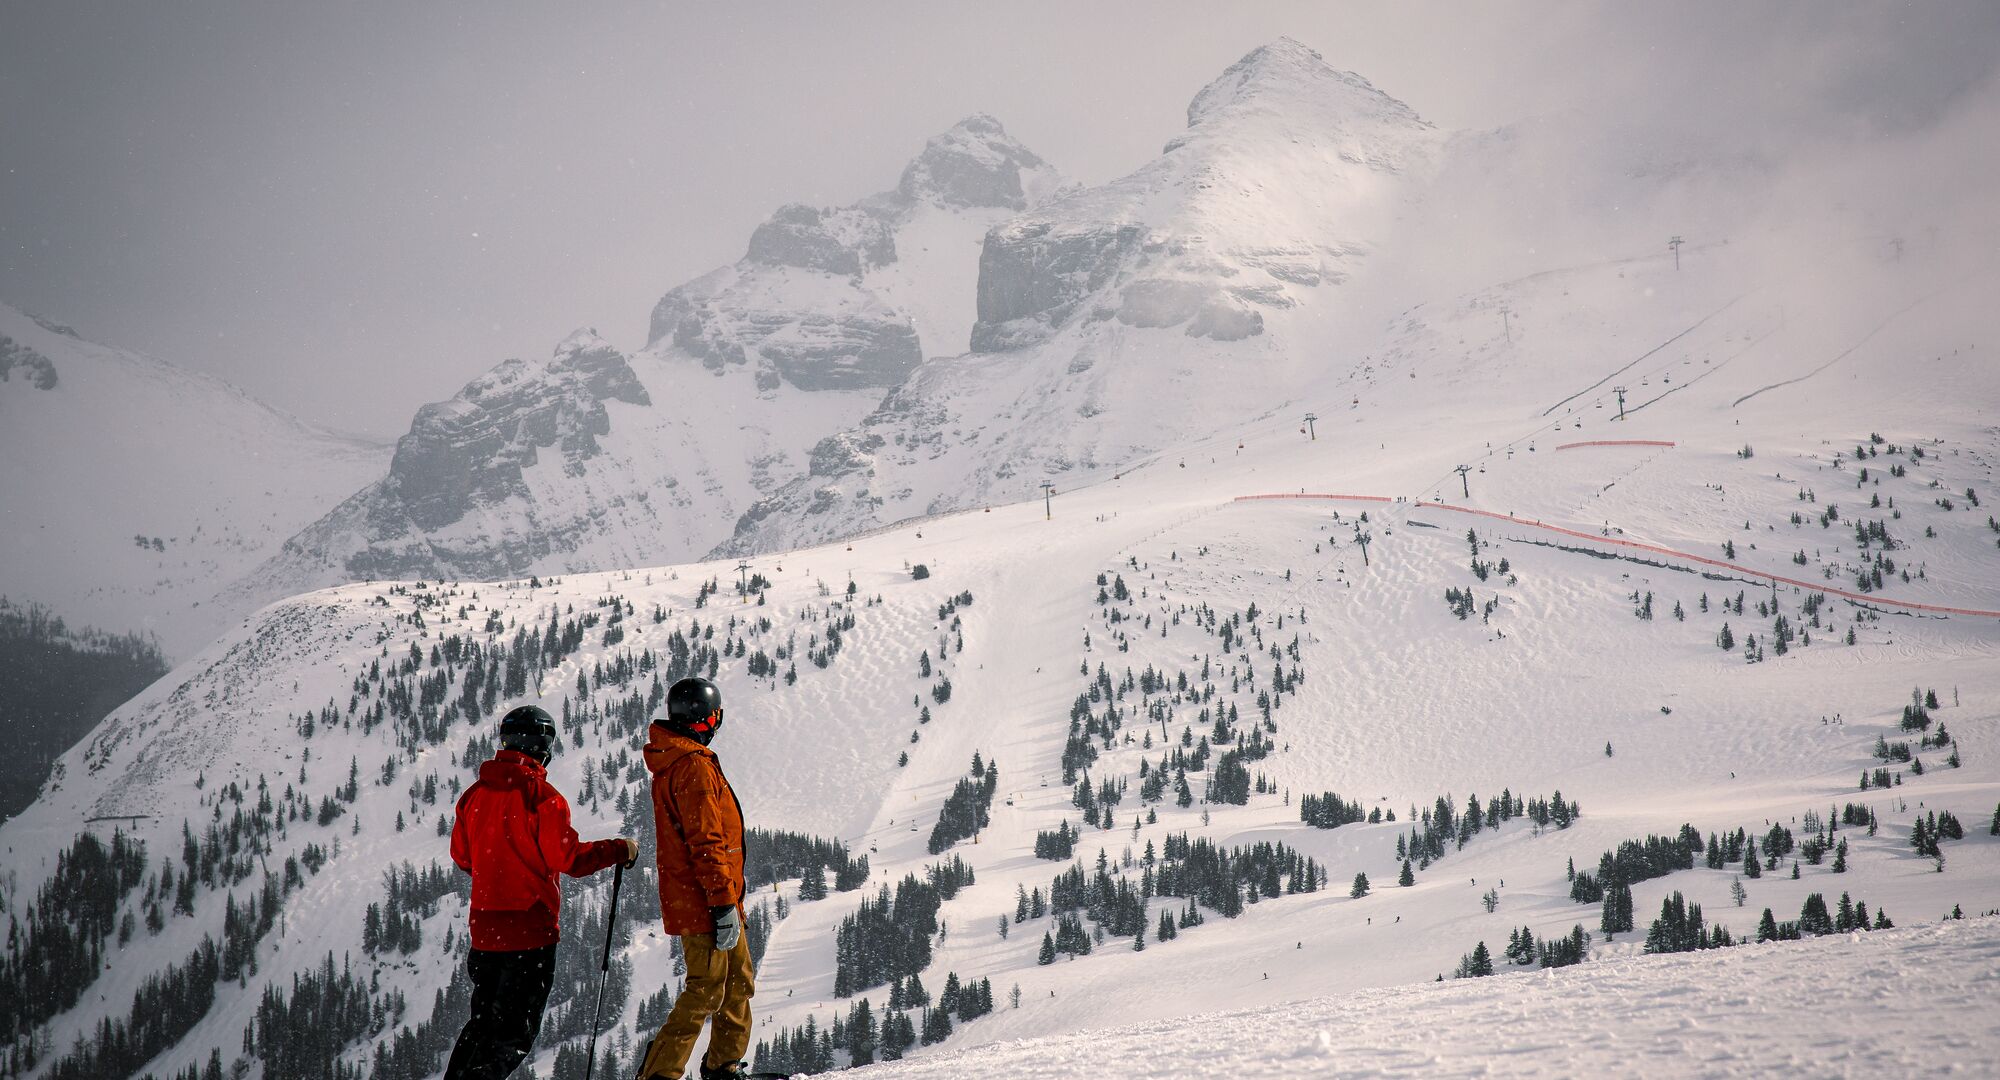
column 1911, row 1002
column 132, row 490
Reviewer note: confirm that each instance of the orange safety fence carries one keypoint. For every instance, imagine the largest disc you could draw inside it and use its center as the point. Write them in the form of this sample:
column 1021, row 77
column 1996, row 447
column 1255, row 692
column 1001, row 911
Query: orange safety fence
column 1615, row 442
column 1655, row 549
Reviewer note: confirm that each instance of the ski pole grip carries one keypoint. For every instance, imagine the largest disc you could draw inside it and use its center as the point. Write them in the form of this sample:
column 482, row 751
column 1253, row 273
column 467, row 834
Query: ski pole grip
column 611, row 920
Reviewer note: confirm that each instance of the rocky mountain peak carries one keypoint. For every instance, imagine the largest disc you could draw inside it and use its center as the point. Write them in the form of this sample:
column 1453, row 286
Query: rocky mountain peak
column 1289, row 79
column 975, row 163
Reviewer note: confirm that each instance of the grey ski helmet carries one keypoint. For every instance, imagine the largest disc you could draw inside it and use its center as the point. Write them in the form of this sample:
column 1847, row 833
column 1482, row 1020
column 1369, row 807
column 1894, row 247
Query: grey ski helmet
column 694, row 709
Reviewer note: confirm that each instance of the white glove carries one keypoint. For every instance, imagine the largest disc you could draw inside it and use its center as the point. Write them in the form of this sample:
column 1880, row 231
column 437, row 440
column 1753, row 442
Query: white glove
column 728, row 927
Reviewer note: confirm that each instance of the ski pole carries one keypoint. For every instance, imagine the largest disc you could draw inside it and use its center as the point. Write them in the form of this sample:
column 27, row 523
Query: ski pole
column 604, row 965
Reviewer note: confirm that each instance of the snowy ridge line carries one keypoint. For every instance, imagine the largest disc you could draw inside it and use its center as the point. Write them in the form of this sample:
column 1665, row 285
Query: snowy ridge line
column 1617, row 442
column 1656, row 549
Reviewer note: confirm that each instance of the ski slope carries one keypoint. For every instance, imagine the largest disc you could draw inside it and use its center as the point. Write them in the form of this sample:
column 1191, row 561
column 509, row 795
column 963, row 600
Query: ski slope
column 1400, row 701
column 1916, row 999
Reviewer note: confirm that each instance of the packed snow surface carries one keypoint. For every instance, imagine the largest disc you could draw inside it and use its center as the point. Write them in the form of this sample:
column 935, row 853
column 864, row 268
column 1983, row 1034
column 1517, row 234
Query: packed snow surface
column 1913, row 1002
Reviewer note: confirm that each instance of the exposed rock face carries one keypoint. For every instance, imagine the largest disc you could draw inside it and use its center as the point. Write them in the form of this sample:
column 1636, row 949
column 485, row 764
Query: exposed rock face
column 817, row 333
column 836, row 241
column 469, row 451
column 1116, row 320
column 973, row 164
column 818, row 300
column 1221, row 224
column 464, row 457
column 1033, row 275
column 564, row 466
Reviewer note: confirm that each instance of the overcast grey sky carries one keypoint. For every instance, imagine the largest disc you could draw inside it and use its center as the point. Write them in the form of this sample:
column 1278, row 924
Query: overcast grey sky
column 352, row 208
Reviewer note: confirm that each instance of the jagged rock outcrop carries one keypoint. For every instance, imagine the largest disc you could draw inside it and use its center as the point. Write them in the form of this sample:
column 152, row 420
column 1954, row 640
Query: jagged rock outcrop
column 976, row 163
column 470, row 451
column 825, row 298
column 596, row 459
column 1277, row 139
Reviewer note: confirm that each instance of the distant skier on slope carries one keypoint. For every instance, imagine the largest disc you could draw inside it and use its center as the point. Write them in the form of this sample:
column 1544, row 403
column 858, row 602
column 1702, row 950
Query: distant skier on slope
column 513, row 836
column 699, row 824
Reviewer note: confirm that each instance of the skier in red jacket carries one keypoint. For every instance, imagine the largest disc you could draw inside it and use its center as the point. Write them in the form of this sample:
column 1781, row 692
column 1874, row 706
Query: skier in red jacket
column 513, row 836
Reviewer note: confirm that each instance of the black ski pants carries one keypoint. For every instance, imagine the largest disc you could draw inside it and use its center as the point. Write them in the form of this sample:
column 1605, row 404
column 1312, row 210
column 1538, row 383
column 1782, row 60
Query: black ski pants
column 509, row 990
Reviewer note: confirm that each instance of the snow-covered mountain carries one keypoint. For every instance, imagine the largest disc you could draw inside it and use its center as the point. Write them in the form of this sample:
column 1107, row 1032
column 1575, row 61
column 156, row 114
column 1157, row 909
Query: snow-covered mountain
column 595, row 459
column 1667, row 577
column 1422, row 668
column 132, row 489
column 1118, row 320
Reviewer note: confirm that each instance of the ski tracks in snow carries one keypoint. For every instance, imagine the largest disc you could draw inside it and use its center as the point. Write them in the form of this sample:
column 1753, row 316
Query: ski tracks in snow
column 1917, row 1000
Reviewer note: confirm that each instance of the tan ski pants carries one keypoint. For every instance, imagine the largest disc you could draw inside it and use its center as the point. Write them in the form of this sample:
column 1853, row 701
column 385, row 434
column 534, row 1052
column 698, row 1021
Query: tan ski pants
column 719, row 986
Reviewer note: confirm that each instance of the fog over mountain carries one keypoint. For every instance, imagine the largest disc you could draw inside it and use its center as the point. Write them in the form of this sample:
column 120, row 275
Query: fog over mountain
column 1405, row 518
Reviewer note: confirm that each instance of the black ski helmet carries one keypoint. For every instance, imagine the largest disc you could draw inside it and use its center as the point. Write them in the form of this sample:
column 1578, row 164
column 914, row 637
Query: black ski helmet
column 530, row 730
column 694, row 708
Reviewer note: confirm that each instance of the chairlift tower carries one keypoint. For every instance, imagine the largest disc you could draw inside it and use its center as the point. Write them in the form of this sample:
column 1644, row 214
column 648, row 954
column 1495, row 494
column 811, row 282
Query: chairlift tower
column 1463, row 485
column 1048, row 491
column 1676, row 243
column 1311, row 434
column 1620, row 391
column 743, row 580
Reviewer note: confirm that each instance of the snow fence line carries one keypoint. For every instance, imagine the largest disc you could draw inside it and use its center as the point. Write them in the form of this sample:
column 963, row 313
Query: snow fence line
column 1864, row 598
column 1616, row 442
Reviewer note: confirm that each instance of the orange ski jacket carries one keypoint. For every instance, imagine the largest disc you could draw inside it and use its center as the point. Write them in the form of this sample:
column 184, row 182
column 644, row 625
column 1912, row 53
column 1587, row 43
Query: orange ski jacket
column 698, row 826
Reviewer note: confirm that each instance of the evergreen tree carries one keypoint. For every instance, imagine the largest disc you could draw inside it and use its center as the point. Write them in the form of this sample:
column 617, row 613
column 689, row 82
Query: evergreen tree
column 1360, row 887
column 1048, row 954
column 898, row 1035
column 1813, row 916
column 1616, row 917
column 813, row 885
column 861, row 1035
column 937, row 1026
column 1406, row 878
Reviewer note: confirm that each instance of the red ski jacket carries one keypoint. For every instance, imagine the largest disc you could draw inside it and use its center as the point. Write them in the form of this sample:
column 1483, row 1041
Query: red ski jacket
column 513, row 836
column 699, row 832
